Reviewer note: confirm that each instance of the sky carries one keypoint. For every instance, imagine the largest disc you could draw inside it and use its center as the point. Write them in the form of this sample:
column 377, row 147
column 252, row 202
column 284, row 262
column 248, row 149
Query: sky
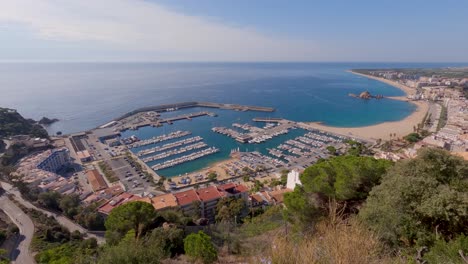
column 241, row 30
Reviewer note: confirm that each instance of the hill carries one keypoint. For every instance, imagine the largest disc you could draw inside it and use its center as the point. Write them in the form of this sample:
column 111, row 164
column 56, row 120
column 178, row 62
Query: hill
column 12, row 123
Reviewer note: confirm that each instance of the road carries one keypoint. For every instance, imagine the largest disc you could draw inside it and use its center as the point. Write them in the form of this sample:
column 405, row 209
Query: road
column 21, row 255
column 70, row 225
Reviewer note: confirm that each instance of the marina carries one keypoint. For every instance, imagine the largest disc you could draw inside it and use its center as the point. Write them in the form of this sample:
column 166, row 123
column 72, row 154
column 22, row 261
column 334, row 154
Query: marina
column 168, row 146
column 280, row 142
column 175, row 152
column 255, row 134
column 154, row 140
column 186, row 158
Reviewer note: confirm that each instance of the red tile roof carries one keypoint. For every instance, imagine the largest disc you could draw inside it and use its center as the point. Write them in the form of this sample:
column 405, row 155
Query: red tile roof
column 162, row 201
column 117, row 201
column 226, row 186
column 256, row 198
column 242, row 188
column 278, row 195
column 96, row 180
column 209, row 193
column 186, row 197
column 232, row 188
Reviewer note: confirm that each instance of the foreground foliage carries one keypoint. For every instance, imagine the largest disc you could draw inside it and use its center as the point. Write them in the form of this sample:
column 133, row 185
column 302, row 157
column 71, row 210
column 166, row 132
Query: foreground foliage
column 420, row 200
column 334, row 242
column 345, row 178
column 200, row 248
column 134, row 216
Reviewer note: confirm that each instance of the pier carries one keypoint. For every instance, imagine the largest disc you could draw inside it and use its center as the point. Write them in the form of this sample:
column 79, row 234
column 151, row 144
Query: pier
column 168, row 146
column 158, row 139
column 186, row 158
column 183, row 105
column 269, row 120
column 173, row 152
column 155, row 121
column 255, row 134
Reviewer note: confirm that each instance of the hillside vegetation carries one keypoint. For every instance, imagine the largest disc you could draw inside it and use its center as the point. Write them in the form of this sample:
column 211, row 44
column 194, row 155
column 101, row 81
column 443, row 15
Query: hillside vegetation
column 12, row 123
column 349, row 209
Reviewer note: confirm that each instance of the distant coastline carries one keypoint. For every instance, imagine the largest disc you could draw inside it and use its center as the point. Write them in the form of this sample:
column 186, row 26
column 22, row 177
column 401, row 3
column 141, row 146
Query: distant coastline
column 383, row 130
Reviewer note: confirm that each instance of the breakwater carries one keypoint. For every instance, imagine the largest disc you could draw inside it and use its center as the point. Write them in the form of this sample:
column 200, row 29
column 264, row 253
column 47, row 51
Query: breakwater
column 183, row 105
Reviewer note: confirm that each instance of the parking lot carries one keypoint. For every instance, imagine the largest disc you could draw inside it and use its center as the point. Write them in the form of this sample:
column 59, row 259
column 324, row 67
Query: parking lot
column 135, row 181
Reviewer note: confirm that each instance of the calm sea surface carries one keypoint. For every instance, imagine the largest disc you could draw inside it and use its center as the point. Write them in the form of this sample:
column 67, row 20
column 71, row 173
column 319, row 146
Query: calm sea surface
column 86, row 95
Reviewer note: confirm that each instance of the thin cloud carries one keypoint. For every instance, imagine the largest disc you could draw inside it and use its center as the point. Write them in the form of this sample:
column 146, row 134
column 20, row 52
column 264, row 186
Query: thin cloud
column 139, row 26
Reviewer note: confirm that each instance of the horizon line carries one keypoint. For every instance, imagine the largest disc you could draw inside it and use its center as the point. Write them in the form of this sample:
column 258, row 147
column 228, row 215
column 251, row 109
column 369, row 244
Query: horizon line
column 212, row 62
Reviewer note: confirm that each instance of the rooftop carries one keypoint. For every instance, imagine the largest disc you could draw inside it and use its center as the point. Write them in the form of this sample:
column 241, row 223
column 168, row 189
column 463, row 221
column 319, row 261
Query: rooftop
column 96, row 180
column 116, row 201
column 186, row 197
column 209, row 193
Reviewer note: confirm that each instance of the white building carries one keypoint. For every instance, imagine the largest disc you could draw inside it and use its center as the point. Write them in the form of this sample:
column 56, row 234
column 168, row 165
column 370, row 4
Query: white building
column 55, row 161
column 293, row 179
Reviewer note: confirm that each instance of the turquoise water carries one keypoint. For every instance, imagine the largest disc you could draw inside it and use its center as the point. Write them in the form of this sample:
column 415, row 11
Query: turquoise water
column 201, row 126
column 86, row 95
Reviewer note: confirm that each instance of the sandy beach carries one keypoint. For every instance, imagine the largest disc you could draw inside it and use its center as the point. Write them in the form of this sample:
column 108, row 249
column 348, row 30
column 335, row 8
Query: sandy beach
column 383, row 130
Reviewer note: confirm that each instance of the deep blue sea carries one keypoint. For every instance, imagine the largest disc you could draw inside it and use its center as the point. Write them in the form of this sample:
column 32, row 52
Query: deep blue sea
column 86, row 95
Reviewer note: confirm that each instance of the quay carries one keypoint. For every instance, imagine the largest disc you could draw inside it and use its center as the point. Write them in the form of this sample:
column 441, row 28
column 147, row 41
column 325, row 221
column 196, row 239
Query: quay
column 188, row 117
column 156, row 122
column 183, row 105
column 269, row 119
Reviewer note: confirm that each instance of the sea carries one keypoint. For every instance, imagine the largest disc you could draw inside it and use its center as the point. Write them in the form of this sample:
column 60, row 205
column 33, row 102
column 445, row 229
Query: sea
column 86, row 95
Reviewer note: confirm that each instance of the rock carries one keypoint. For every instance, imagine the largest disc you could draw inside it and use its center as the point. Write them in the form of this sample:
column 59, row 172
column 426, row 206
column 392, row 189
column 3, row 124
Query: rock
column 47, row 121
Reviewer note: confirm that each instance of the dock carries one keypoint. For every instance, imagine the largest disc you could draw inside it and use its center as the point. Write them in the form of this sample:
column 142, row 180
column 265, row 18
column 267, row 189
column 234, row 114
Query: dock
column 255, row 134
column 184, row 159
column 154, row 140
column 184, row 105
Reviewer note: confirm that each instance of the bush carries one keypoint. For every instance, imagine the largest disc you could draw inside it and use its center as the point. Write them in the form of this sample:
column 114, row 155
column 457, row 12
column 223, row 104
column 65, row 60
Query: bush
column 200, row 248
column 413, row 137
column 448, row 252
column 420, row 199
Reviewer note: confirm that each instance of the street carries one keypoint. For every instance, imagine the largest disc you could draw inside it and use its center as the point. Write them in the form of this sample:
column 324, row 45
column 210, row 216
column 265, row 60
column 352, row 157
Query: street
column 72, row 226
column 21, row 255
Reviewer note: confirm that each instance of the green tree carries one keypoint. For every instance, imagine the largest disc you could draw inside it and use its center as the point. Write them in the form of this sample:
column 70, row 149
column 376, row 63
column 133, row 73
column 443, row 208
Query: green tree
column 413, row 137
column 133, row 215
column 343, row 178
column 331, row 150
column 212, row 176
column 258, row 185
column 228, row 209
column 198, row 247
column 50, row 200
column 448, row 252
column 90, row 218
column 420, row 199
column 132, row 251
column 69, row 204
column 171, row 240
column 3, row 256
column 284, row 177
column 197, row 210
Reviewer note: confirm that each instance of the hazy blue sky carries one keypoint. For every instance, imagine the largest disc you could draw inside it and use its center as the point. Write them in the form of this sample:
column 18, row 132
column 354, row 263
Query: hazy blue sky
column 241, row 30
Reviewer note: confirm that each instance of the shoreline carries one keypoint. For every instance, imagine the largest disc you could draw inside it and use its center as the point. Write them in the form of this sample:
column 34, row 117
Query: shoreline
column 383, row 130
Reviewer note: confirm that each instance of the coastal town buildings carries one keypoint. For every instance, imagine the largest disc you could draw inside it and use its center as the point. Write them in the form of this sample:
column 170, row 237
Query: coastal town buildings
column 96, row 180
column 54, row 160
column 40, row 171
column 293, row 179
column 449, row 129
